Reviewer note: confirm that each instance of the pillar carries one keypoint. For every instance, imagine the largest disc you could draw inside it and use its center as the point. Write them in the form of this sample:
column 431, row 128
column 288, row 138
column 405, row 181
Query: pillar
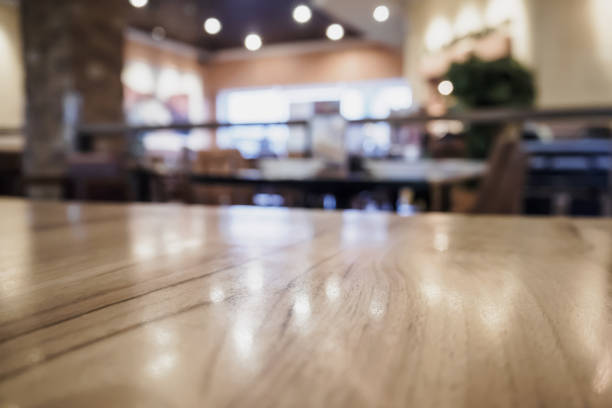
column 73, row 52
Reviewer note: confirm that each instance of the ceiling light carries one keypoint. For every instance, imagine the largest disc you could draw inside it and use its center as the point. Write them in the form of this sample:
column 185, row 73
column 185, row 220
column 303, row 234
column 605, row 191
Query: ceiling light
column 335, row 32
column 302, row 14
column 212, row 26
column 252, row 42
column 139, row 3
column 446, row 88
column 158, row 33
column 381, row 14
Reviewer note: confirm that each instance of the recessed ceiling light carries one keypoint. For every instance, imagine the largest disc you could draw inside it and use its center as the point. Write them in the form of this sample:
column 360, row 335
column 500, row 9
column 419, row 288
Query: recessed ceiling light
column 446, row 88
column 158, row 33
column 252, row 42
column 302, row 14
column 139, row 3
column 212, row 26
column 381, row 14
column 335, row 32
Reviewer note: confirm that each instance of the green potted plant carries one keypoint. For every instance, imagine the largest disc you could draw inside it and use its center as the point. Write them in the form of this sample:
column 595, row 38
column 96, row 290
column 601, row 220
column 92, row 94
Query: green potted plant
column 480, row 84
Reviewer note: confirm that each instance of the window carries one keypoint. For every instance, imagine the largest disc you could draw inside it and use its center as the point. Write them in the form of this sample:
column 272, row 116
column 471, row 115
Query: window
column 161, row 95
column 368, row 99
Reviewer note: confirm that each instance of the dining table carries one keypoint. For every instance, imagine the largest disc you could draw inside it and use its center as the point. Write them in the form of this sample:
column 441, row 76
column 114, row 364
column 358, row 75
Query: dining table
column 435, row 177
column 171, row 305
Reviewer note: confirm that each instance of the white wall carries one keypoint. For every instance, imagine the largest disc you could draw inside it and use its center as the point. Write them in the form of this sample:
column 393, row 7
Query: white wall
column 573, row 52
column 11, row 67
column 433, row 24
column 567, row 43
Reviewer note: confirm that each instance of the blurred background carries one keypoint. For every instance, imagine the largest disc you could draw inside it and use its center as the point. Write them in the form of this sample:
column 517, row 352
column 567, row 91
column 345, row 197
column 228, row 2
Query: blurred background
column 474, row 106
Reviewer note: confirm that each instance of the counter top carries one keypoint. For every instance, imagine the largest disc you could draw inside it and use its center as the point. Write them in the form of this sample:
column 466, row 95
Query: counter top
column 177, row 306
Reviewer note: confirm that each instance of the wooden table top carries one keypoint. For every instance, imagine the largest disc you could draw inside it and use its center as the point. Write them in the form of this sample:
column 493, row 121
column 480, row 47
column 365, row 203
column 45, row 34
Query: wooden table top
column 175, row 306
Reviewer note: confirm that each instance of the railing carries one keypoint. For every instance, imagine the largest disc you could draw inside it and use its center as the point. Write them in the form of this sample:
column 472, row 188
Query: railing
column 81, row 133
column 498, row 115
column 118, row 129
column 483, row 116
column 516, row 116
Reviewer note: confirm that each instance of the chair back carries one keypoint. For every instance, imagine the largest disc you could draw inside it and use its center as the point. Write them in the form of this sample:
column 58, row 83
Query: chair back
column 219, row 162
column 501, row 191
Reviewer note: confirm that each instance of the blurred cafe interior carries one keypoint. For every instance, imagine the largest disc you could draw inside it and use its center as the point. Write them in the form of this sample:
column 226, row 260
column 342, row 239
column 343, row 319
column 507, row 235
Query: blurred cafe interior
column 305, row 203
column 335, row 104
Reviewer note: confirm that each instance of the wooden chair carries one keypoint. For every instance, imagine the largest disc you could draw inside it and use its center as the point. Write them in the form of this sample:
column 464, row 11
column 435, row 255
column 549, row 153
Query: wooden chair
column 220, row 163
column 501, row 191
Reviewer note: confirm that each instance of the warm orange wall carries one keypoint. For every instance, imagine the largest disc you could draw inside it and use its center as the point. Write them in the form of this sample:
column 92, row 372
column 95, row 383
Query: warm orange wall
column 161, row 56
column 358, row 63
column 169, row 55
column 355, row 64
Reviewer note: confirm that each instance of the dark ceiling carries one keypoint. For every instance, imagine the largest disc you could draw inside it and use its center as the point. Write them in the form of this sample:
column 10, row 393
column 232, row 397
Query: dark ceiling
column 272, row 19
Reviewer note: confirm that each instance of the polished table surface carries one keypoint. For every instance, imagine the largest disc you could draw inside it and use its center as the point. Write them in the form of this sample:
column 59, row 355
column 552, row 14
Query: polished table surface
column 176, row 306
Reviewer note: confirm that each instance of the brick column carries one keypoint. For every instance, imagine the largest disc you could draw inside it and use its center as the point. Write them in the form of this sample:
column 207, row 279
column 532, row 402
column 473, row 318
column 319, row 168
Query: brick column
column 73, row 52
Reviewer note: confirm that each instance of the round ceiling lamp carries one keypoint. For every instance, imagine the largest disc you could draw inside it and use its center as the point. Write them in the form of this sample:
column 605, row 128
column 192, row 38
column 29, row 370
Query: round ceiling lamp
column 302, row 14
column 335, row 32
column 212, row 26
column 446, row 87
column 381, row 14
column 253, row 42
column 139, row 3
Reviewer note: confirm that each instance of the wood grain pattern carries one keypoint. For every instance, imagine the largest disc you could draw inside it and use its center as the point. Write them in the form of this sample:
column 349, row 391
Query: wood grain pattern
column 175, row 306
